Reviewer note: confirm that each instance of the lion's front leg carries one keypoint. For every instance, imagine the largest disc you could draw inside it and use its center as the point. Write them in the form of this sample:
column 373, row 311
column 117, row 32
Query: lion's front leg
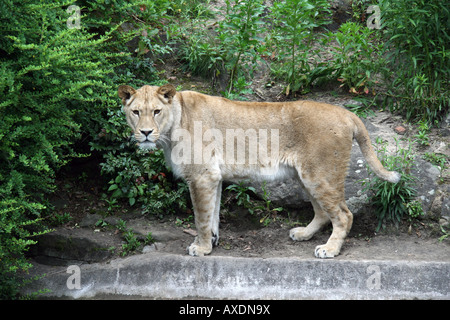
column 204, row 193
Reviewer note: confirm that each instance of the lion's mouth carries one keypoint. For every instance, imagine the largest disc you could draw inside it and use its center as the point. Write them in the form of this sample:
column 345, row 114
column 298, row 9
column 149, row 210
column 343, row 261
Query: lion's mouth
column 147, row 145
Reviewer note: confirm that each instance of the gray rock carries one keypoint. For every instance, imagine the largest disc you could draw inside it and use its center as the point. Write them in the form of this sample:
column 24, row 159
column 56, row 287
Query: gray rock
column 66, row 247
column 142, row 228
column 445, row 208
column 427, row 182
column 288, row 193
column 90, row 220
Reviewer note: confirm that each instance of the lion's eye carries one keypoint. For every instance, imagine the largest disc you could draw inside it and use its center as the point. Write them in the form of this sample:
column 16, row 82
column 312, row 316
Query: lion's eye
column 136, row 112
column 156, row 112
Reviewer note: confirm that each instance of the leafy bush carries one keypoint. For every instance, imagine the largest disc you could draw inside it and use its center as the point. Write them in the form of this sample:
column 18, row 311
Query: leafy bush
column 418, row 43
column 393, row 201
column 357, row 57
column 234, row 45
column 57, row 83
column 293, row 25
column 202, row 54
column 15, row 239
column 240, row 35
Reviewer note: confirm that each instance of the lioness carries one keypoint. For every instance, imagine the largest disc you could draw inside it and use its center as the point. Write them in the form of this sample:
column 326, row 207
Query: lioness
column 209, row 139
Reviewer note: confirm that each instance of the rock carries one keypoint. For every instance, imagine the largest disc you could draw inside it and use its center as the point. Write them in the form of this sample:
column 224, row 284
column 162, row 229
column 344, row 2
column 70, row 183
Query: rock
column 355, row 204
column 400, row 130
column 445, row 208
column 153, row 247
column 445, row 125
column 142, row 228
column 90, row 220
column 149, row 248
column 427, row 182
column 288, row 193
column 436, row 206
column 66, row 247
column 442, row 148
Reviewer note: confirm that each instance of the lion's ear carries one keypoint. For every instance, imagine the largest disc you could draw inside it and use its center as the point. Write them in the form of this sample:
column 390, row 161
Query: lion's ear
column 167, row 92
column 125, row 93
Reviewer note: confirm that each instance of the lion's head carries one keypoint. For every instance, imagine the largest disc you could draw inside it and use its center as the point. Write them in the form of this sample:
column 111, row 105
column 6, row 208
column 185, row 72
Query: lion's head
column 148, row 111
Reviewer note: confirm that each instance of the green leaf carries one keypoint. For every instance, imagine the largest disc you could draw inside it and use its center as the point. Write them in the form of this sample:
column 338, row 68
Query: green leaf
column 117, row 193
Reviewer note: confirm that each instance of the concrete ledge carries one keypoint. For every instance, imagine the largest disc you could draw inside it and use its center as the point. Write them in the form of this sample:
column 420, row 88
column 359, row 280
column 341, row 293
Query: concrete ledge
column 170, row 276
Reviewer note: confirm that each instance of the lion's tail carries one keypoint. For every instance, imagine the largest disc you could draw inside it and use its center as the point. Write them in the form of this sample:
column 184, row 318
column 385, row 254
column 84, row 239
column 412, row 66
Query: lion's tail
column 362, row 137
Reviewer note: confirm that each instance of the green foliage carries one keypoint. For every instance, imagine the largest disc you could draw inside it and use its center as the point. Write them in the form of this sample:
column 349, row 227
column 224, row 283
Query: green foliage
column 393, row 201
column 445, row 233
column 437, row 159
column 132, row 241
column 422, row 136
column 240, row 86
column 266, row 209
column 234, row 46
column 56, row 84
column 359, row 9
column 357, row 57
column 262, row 208
column 240, row 35
column 414, row 209
column 293, row 24
column 242, row 195
column 191, row 9
column 202, row 54
column 362, row 108
column 17, row 230
column 418, row 44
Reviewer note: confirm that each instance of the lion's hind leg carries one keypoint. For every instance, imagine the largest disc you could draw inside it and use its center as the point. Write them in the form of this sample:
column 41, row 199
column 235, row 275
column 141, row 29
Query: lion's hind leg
column 341, row 219
column 329, row 205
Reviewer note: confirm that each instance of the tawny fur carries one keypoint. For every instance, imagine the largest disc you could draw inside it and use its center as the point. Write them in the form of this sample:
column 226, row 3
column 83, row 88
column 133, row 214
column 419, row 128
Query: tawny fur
column 313, row 144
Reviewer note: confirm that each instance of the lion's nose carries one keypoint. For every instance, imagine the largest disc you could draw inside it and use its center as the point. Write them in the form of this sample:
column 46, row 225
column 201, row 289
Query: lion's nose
column 146, row 132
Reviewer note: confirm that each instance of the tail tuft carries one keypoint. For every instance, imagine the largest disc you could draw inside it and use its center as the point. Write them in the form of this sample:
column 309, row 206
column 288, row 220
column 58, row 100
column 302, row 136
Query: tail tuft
column 394, row 177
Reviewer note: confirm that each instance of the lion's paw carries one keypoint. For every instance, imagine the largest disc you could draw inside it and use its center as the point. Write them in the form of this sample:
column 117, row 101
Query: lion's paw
column 197, row 251
column 299, row 234
column 326, row 251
